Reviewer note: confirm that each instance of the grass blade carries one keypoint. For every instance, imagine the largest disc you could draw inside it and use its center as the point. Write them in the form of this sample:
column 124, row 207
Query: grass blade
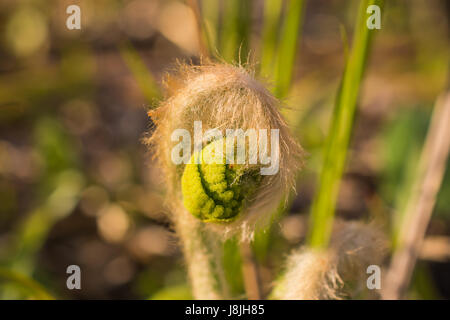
column 323, row 207
column 209, row 15
column 235, row 30
column 288, row 46
column 272, row 14
column 35, row 288
column 142, row 75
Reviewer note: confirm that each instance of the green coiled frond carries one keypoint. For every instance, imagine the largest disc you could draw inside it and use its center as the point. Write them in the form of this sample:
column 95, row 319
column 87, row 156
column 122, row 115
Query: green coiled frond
column 214, row 190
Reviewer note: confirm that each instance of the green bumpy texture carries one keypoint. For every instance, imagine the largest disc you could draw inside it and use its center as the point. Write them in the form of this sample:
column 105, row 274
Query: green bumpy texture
column 216, row 192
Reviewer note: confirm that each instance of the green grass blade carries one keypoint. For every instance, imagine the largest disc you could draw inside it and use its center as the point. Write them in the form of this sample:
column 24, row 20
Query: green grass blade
column 210, row 24
column 272, row 14
column 34, row 287
column 323, row 207
column 235, row 30
column 288, row 46
column 147, row 84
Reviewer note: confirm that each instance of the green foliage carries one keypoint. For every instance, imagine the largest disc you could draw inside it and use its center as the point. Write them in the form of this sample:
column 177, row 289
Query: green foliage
column 234, row 38
column 210, row 24
column 279, row 47
column 402, row 139
column 36, row 290
column 141, row 74
column 422, row 284
column 324, row 203
column 289, row 39
column 272, row 16
column 179, row 292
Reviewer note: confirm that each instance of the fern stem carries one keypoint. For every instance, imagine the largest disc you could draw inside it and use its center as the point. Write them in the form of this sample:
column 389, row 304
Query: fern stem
column 203, row 255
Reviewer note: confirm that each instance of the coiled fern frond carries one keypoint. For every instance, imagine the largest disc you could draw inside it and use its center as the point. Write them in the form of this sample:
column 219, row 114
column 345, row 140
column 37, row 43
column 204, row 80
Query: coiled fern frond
column 217, row 191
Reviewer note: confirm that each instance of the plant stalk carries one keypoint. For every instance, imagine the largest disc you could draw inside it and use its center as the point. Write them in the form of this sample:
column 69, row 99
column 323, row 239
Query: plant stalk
column 421, row 201
column 324, row 203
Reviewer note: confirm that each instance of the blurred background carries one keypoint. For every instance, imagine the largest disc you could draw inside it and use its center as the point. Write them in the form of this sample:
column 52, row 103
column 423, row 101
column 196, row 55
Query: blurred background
column 77, row 186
